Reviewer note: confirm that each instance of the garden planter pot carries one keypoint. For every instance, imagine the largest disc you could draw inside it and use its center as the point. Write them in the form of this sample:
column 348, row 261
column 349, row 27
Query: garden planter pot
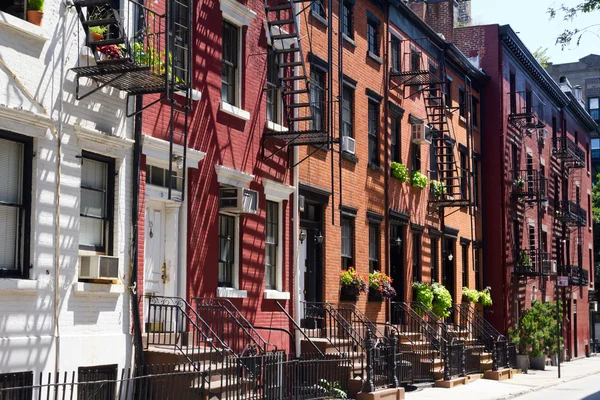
column 96, row 37
column 538, row 363
column 523, row 362
column 35, row 17
column 375, row 295
column 347, row 295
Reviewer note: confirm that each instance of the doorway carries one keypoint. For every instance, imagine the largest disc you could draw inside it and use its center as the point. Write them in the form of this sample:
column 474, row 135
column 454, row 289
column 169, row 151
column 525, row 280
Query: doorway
column 311, row 256
column 575, row 341
column 397, row 265
column 448, row 261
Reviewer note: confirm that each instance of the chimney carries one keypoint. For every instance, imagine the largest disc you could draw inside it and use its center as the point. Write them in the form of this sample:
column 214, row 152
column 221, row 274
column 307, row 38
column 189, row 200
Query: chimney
column 419, row 8
column 442, row 16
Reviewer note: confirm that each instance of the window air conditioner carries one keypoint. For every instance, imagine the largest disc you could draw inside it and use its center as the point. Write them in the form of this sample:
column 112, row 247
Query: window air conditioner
column 99, row 267
column 420, row 133
column 594, row 306
column 238, row 200
column 543, row 134
column 549, row 267
column 348, row 145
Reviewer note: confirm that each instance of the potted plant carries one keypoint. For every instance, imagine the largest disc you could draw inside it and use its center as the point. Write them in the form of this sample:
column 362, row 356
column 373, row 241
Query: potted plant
column 438, row 188
column 442, row 300
column 352, row 284
column 400, row 172
column 519, row 184
column 524, row 261
column 380, row 287
column 522, row 356
column 35, row 11
column 418, row 180
column 422, row 293
column 470, row 295
column 97, row 32
column 485, row 297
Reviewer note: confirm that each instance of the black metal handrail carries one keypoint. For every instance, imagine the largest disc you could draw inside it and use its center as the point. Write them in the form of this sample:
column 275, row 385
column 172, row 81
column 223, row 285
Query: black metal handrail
column 565, row 148
column 231, row 326
column 571, row 213
column 531, row 262
column 298, row 329
column 382, row 362
column 359, row 322
column 529, row 184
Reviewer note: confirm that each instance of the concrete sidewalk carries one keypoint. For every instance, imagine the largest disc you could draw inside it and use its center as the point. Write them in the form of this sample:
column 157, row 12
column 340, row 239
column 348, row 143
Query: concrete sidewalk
column 483, row 389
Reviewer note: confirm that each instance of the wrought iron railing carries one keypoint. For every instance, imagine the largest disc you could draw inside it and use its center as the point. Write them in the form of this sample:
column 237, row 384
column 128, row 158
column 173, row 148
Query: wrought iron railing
column 527, row 109
column 565, row 148
column 473, row 359
column 571, row 213
column 231, row 326
column 529, row 185
column 577, row 275
column 512, row 355
column 500, row 354
column 454, row 365
column 382, row 363
column 532, row 262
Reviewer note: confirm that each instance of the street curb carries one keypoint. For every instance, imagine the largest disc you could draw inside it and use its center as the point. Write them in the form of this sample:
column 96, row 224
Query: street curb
column 538, row 388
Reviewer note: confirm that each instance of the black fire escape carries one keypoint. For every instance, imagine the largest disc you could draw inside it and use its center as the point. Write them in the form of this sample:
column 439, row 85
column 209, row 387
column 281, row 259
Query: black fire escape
column 142, row 52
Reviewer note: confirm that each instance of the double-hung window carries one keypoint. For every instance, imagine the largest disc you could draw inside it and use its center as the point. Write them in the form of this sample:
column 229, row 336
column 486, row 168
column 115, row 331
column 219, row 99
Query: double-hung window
column 105, row 375
column 97, row 203
column 594, row 108
column 464, row 174
column 13, row 380
column 230, row 74
column 17, row 8
column 465, row 264
column 462, row 102
column 475, row 112
column 347, row 111
column 273, row 88
column 416, row 257
column 373, row 36
column 415, row 59
column 347, row 19
column 373, row 133
column 347, row 243
column 318, row 8
column 396, row 140
column 271, row 244
column 15, row 204
column 317, row 98
column 227, row 239
column 435, row 248
column 416, row 157
column 373, row 247
column 395, row 50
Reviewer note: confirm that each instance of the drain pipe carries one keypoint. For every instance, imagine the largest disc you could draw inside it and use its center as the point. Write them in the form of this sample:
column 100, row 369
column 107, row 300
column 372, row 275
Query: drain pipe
column 296, row 211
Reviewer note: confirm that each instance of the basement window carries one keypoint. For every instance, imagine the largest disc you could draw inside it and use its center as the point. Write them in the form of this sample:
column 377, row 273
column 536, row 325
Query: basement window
column 21, row 380
column 102, row 390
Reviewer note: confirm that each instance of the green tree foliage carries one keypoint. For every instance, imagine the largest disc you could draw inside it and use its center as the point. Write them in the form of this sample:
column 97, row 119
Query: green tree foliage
column 569, row 13
column 541, row 55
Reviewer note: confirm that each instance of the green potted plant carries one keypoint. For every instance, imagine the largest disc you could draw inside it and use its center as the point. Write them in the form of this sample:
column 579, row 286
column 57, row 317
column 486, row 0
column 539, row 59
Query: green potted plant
column 470, row 295
column 485, row 297
column 97, row 32
column 438, row 188
column 400, row 172
column 418, row 180
column 380, row 287
column 442, row 300
column 524, row 261
column 422, row 293
column 519, row 184
column 35, row 11
column 352, row 284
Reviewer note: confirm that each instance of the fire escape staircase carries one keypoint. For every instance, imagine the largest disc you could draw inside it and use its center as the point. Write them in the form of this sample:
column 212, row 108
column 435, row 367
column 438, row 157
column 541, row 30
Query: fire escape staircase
column 294, row 83
column 155, row 60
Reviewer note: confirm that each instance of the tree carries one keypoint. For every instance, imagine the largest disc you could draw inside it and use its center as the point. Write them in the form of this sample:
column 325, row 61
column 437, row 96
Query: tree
column 541, row 55
column 569, row 14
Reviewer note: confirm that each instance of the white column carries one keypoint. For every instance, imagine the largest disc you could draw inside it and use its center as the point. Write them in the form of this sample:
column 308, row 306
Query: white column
column 172, row 247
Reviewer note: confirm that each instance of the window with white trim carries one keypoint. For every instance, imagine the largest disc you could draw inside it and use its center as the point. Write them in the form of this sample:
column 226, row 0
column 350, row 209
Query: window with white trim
column 230, row 69
column 15, row 204
column 347, row 243
column 347, row 111
column 227, row 259
column 272, row 238
column 96, row 209
column 159, row 176
column 273, row 89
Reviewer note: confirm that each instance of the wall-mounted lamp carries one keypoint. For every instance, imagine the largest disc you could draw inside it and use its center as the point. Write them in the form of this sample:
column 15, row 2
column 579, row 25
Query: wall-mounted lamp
column 398, row 241
column 302, row 236
column 319, row 238
column 178, row 161
column 450, row 256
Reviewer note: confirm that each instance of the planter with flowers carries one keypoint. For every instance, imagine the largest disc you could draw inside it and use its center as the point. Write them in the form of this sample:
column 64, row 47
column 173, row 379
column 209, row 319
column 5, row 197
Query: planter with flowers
column 400, row 172
column 352, row 284
column 380, row 287
column 438, row 188
column 418, row 180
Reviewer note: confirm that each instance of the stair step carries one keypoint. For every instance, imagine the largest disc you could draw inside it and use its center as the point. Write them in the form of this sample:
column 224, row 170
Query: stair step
column 299, row 91
column 291, row 64
column 287, row 50
column 298, row 105
column 107, row 42
column 283, row 36
column 281, row 22
column 293, row 78
column 114, row 61
column 295, row 119
column 279, row 7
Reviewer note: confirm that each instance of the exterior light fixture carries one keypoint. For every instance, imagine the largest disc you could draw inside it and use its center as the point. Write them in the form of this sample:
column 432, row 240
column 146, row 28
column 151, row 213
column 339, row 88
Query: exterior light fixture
column 302, row 235
column 319, row 238
column 450, row 257
column 178, row 161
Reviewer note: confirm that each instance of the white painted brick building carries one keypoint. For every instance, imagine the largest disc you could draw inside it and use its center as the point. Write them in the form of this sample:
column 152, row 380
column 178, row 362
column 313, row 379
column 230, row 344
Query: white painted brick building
column 93, row 318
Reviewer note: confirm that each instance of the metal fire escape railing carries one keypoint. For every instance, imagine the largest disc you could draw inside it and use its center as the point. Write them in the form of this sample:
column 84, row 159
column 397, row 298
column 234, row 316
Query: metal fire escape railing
column 529, row 185
column 565, row 149
column 526, row 111
column 140, row 52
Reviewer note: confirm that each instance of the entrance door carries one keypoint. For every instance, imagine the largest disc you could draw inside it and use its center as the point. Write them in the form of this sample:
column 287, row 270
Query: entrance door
column 449, row 260
column 575, row 341
column 154, row 262
column 311, row 255
column 397, row 266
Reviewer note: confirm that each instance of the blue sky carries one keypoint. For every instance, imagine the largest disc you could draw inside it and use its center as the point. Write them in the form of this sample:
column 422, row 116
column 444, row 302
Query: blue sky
column 531, row 20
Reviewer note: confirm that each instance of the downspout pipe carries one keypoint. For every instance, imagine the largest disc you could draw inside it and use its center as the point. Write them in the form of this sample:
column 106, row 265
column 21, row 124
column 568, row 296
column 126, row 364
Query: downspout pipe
column 386, row 158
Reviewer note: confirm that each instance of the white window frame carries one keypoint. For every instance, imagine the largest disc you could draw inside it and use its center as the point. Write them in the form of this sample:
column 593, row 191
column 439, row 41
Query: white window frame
column 278, row 192
column 279, row 264
column 240, row 16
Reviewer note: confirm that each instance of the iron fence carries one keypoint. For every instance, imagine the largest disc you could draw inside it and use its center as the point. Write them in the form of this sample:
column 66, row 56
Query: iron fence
column 473, row 359
column 454, row 360
column 500, row 354
column 512, row 355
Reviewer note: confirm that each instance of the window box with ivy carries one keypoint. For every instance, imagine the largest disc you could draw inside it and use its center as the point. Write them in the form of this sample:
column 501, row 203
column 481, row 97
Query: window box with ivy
column 418, row 180
column 438, row 188
column 400, row 172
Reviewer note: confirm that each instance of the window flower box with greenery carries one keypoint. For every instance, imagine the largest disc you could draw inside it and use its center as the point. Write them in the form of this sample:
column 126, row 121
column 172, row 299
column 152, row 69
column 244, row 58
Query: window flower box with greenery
column 519, row 184
column 380, row 287
column 418, row 180
column 482, row 297
column 524, row 262
column 435, row 297
column 400, row 172
column 438, row 188
column 352, row 284
column 422, row 293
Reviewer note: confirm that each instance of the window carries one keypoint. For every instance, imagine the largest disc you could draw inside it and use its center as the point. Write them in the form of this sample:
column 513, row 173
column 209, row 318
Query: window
column 372, row 36
column 105, row 390
column 594, row 108
column 416, row 257
column 513, row 92
column 318, row 8
column 416, row 157
column 475, row 169
column 435, row 248
column 273, row 88
column 229, row 75
column 464, row 175
column 465, row 264
column 531, row 234
column 14, row 7
column 415, row 59
column 317, row 98
column 396, row 140
column 16, row 380
column 589, row 210
column 478, row 283
column 347, row 21
column 514, row 159
column 373, row 247
column 271, row 244
column 15, row 204
column 475, row 111
column 448, row 93
column 347, row 243
column 347, row 111
column 158, row 176
column 433, row 161
column 554, row 127
column 395, row 50
column 373, row 133
column 97, row 203
column 227, row 224
column 529, row 166
column 462, row 102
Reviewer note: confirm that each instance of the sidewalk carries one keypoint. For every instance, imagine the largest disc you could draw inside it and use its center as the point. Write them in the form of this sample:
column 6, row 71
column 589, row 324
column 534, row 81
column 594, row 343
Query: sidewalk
column 483, row 389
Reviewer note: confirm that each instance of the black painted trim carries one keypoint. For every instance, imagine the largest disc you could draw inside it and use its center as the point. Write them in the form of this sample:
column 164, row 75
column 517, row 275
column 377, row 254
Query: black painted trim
column 374, row 96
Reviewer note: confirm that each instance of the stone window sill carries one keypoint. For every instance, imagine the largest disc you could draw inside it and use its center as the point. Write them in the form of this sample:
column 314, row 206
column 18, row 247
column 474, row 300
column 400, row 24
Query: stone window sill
column 375, row 167
column 318, row 17
column 374, row 57
column 276, row 295
column 349, row 157
column 23, row 27
column 98, row 289
column 234, row 111
column 275, row 127
column 349, row 40
column 18, row 285
column 231, row 293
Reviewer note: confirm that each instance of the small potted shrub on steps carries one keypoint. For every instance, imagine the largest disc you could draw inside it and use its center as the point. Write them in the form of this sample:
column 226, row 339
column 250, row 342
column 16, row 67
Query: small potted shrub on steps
column 380, row 287
column 35, row 11
column 97, row 32
column 352, row 284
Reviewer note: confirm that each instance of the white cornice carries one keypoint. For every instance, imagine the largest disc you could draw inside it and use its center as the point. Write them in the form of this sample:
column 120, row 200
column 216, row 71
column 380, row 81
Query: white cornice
column 159, row 149
column 277, row 191
column 230, row 176
column 236, row 12
column 102, row 142
column 25, row 122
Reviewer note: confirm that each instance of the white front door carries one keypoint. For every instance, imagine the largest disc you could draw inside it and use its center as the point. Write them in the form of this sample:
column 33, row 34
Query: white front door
column 154, row 250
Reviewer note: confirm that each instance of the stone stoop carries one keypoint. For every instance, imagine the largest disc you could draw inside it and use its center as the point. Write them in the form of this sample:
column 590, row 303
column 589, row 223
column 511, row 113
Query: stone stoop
column 500, row 375
column 382, row 394
column 452, row 382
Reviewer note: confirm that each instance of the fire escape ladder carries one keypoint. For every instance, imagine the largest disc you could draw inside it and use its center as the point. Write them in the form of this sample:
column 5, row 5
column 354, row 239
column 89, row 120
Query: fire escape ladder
column 299, row 108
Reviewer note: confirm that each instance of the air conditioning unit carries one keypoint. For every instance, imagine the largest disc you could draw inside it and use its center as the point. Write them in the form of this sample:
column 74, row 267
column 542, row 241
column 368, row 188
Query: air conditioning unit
column 594, row 306
column 99, row 267
column 420, row 133
column 549, row 267
column 238, row 200
column 543, row 134
column 348, row 145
